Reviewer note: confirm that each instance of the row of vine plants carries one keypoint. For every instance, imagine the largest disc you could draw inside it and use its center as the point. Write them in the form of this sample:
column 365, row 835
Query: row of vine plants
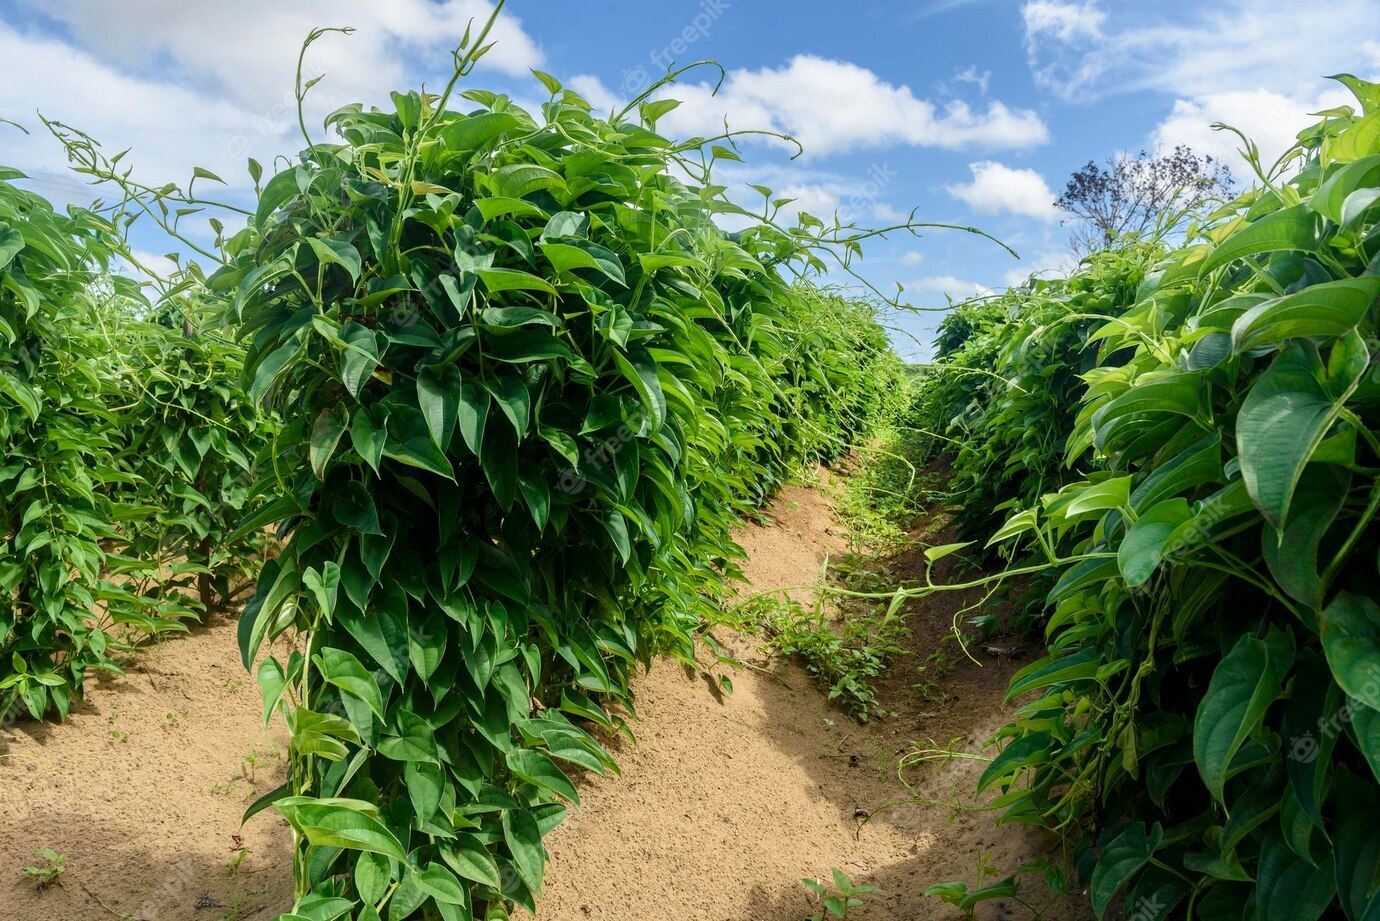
column 1181, row 440
column 128, row 453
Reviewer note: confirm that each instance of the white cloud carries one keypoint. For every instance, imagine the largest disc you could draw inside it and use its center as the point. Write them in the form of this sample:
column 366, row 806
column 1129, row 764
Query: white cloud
column 911, row 258
column 998, row 188
column 603, row 99
column 824, row 194
column 1041, row 263
column 1064, row 21
column 1082, row 51
column 946, row 287
column 170, row 127
column 1271, row 120
column 214, row 85
column 247, row 51
column 834, row 107
column 980, row 79
column 1242, row 62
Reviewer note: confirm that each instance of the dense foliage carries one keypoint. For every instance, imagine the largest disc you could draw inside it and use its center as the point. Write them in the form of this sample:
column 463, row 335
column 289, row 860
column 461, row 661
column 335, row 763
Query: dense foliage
column 1001, row 396
column 119, row 436
column 1208, row 716
column 527, row 386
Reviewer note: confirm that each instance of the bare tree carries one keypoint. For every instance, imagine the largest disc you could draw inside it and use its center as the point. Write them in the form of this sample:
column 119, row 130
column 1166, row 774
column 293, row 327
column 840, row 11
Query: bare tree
column 1126, row 197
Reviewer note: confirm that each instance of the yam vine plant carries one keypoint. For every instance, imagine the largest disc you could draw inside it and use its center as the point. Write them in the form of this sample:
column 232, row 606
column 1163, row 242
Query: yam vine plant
column 1000, row 397
column 527, row 386
column 58, row 612
column 95, row 396
column 1207, row 720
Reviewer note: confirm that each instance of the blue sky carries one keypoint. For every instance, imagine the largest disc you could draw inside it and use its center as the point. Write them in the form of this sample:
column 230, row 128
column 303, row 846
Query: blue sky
column 972, row 111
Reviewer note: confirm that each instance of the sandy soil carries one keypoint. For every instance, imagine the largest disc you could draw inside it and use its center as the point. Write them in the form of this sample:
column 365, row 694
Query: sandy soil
column 143, row 789
column 725, row 802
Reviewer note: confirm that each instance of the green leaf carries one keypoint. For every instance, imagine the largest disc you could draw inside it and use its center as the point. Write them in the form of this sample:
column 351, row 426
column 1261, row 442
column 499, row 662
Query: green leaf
column 512, row 396
column 272, row 686
column 471, row 860
column 267, row 370
column 325, row 435
column 354, row 507
column 343, row 670
column 1322, row 311
column 438, row 395
column 1292, row 553
column 337, row 825
column 11, row 243
column 1046, row 672
column 22, row 394
column 1331, row 196
column 1291, row 889
column 535, row 768
column 498, row 280
column 1350, row 629
column 368, row 433
column 1148, row 541
column 426, row 785
column 439, row 883
column 411, row 739
column 1243, row 686
column 361, row 356
column 471, row 414
column 570, row 256
column 1290, row 229
column 338, row 252
column 1366, row 92
column 373, row 873
column 1285, row 416
column 523, row 838
column 382, row 631
column 474, row 131
column 639, row 369
column 1120, row 860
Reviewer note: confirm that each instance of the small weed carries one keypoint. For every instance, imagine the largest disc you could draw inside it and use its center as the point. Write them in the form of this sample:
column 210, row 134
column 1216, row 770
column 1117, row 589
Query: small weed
column 967, row 900
column 175, row 719
column 50, row 870
column 844, row 897
column 232, row 866
column 117, row 734
column 849, row 654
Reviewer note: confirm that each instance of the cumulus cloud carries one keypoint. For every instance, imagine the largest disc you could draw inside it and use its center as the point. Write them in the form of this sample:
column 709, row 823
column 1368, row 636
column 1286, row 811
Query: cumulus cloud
column 835, row 107
column 170, row 127
column 247, row 51
column 209, row 85
column 1271, row 120
column 997, row 188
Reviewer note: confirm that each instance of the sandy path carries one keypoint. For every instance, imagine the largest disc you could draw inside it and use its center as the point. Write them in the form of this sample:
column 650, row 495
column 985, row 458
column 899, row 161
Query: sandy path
column 724, row 804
